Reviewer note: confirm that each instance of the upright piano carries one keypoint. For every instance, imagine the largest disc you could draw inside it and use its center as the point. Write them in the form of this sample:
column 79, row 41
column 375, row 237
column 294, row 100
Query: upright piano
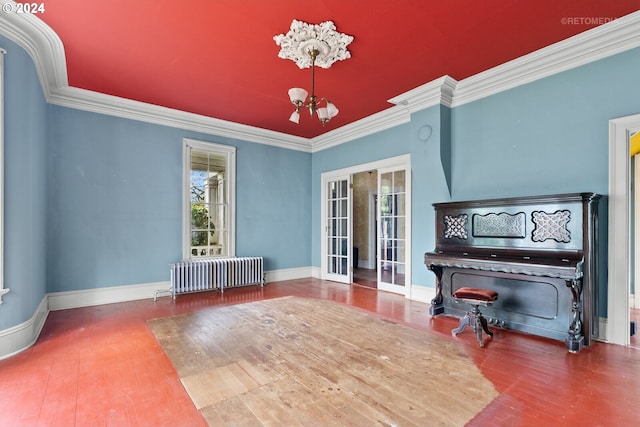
column 539, row 253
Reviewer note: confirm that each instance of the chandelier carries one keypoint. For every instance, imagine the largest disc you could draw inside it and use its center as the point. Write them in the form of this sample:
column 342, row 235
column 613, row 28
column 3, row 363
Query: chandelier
column 298, row 98
column 310, row 45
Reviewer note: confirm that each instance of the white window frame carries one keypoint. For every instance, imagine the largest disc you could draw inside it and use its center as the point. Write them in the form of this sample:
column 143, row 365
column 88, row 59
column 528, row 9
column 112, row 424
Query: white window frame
column 230, row 175
column 2, row 288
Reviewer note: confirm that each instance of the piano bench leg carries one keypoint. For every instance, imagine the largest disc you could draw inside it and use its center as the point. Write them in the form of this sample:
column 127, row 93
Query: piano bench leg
column 476, row 321
column 464, row 322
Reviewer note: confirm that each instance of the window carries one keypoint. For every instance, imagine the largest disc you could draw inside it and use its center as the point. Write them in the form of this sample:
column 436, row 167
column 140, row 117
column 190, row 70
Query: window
column 2, row 290
column 209, row 200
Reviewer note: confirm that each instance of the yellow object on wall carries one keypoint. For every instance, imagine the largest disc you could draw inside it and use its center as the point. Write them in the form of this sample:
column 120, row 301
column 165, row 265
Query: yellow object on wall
column 634, row 144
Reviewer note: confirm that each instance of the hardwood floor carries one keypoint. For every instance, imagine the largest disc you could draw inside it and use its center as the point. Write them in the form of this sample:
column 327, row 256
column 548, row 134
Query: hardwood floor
column 101, row 366
column 369, row 277
column 365, row 277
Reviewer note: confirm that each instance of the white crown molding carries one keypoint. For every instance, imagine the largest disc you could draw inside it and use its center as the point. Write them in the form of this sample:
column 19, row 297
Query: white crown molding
column 597, row 43
column 115, row 106
column 438, row 91
column 41, row 43
column 374, row 123
column 47, row 51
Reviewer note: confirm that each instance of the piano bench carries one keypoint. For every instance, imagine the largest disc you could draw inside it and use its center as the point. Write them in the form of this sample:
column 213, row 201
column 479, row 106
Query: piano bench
column 474, row 319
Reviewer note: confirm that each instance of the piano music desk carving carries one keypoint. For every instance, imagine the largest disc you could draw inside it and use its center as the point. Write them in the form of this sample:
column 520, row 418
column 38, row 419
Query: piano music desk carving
column 539, row 253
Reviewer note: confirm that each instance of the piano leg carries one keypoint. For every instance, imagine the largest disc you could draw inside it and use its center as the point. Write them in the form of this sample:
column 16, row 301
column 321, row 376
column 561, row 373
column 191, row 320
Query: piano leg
column 575, row 339
column 437, row 303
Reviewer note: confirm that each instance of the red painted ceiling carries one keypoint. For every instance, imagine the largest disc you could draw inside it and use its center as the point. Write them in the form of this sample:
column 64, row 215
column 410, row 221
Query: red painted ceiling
column 218, row 58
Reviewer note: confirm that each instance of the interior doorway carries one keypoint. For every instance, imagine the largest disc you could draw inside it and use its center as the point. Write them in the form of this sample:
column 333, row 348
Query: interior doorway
column 619, row 230
column 634, row 298
column 364, row 228
column 376, row 228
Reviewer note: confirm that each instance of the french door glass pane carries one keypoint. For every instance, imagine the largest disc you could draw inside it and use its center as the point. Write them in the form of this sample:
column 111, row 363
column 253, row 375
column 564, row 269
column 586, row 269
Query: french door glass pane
column 392, row 227
column 337, row 227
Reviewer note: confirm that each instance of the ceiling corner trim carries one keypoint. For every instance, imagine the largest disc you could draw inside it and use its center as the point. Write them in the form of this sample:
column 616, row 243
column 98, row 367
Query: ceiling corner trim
column 597, row 43
column 95, row 102
column 47, row 51
column 438, row 91
column 40, row 42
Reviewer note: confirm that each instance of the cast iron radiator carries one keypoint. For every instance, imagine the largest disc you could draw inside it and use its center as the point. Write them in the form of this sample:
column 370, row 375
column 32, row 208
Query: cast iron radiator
column 198, row 275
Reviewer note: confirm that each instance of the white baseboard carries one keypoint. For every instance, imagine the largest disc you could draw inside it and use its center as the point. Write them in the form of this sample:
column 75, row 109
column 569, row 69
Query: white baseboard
column 21, row 337
column 109, row 295
column 90, row 297
column 422, row 293
column 316, row 273
column 288, row 274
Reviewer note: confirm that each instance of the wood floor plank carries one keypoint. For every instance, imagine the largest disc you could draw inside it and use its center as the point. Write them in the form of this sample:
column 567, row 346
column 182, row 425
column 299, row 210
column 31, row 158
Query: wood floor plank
column 230, row 412
column 214, row 385
column 303, row 352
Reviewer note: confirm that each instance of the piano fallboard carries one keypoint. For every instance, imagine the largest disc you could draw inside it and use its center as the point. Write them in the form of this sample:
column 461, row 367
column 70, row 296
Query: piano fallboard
column 538, row 253
column 562, row 268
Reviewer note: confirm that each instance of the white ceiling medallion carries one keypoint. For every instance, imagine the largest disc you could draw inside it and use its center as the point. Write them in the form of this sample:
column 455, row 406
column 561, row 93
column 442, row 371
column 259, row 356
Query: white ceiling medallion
column 303, row 38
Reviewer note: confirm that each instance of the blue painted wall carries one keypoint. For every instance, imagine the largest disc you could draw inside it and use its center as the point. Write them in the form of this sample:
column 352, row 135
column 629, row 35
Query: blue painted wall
column 431, row 169
column 273, row 204
column 115, row 199
column 546, row 137
column 25, row 187
column 94, row 201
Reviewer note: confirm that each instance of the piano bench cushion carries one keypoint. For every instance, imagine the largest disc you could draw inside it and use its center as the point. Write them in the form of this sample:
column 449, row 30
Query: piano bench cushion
column 486, row 295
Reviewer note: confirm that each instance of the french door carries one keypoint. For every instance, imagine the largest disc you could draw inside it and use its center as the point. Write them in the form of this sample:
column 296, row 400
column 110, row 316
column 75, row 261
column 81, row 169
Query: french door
column 337, row 266
column 392, row 230
column 392, row 218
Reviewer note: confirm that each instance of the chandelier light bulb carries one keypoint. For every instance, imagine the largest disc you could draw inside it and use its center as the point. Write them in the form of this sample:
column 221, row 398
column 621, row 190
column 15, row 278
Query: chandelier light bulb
column 323, row 115
column 298, row 96
column 332, row 110
column 295, row 117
